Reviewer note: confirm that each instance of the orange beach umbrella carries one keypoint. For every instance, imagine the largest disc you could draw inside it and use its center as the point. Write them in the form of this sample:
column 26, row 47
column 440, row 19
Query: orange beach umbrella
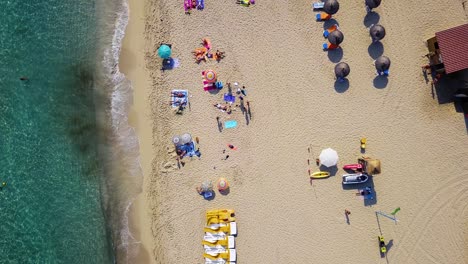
column 223, row 184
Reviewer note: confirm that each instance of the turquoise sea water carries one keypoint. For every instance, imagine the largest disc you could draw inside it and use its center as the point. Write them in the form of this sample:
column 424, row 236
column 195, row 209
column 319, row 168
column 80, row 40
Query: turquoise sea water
column 51, row 210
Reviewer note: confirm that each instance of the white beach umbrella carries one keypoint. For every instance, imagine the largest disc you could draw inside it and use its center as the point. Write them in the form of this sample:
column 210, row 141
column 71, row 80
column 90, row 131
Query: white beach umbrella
column 176, row 140
column 186, row 138
column 328, row 157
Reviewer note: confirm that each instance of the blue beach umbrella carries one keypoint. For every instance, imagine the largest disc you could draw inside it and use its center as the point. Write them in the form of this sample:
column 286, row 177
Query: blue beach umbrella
column 164, row 52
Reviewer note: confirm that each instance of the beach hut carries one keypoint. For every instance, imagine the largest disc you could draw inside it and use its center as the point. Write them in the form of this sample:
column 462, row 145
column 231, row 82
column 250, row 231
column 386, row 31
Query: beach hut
column 341, row 70
column 331, row 7
column 382, row 63
column 164, row 51
column 377, row 32
column 372, row 3
column 336, row 37
column 448, row 50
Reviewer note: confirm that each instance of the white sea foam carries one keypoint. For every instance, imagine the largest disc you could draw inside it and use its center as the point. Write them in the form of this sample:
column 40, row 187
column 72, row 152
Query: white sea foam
column 123, row 179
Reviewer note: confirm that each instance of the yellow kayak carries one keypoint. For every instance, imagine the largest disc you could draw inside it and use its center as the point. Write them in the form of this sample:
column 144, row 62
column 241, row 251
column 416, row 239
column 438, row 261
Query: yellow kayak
column 320, row 174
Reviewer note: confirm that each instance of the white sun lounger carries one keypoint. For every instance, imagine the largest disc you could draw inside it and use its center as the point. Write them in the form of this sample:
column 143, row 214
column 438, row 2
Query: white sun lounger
column 318, row 5
column 229, row 242
column 223, row 258
column 213, row 237
column 230, row 228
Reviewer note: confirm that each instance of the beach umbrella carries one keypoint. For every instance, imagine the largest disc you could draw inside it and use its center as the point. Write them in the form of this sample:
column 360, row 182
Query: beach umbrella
column 336, row 37
column 342, row 69
column 207, row 186
column 186, row 138
column 223, row 184
column 328, row 157
column 377, row 32
column 176, row 140
column 331, row 7
column 373, row 3
column 210, row 76
column 382, row 63
column 164, row 51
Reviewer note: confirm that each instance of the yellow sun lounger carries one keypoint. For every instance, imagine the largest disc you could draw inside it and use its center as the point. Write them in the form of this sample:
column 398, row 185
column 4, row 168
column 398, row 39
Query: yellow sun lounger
column 227, row 256
column 229, row 228
column 220, row 216
column 228, row 242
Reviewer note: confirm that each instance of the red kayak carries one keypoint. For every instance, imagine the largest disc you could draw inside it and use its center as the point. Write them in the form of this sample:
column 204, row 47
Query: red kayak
column 353, row 167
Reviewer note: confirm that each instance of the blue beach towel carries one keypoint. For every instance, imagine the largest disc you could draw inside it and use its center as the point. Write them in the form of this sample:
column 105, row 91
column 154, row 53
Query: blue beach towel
column 230, row 124
column 200, row 4
column 229, row 98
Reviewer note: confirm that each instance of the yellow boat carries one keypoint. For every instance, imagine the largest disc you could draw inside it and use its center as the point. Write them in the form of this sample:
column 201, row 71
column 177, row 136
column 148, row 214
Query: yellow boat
column 320, row 175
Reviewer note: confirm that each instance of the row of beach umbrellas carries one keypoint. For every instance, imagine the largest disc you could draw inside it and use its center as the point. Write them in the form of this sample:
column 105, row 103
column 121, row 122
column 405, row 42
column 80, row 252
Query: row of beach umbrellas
column 331, row 7
column 382, row 64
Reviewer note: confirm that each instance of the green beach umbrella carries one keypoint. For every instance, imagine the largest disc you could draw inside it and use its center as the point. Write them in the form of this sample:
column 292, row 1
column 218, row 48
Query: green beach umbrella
column 164, row 52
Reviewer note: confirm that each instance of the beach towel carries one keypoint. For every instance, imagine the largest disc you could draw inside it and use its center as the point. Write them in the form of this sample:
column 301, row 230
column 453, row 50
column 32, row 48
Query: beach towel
column 179, row 97
column 230, row 124
column 229, row 98
column 200, row 4
column 190, row 149
column 209, row 86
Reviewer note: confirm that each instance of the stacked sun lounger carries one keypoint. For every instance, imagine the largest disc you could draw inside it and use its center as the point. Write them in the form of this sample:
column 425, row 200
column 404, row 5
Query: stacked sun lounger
column 219, row 238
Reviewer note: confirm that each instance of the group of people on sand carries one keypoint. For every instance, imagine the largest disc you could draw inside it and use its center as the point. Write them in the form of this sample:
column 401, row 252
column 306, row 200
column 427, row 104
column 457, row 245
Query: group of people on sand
column 204, row 53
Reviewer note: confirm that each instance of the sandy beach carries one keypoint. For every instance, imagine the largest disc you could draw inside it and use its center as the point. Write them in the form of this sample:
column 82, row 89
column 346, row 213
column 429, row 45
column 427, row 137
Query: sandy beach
column 274, row 48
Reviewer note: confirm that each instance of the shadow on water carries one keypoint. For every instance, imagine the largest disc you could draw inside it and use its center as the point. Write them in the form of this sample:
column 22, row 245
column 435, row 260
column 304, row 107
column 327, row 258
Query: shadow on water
column 380, row 81
column 371, row 18
column 341, row 86
column 375, row 50
column 82, row 126
column 335, row 55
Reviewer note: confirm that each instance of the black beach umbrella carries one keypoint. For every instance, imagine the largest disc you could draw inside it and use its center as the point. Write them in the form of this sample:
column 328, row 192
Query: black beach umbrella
column 373, row 3
column 382, row 63
column 331, row 7
column 336, row 37
column 342, row 70
column 377, row 32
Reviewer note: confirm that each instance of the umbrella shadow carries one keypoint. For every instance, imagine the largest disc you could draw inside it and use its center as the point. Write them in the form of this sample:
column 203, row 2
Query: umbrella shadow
column 375, row 50
column 328, row 23
column 225, row 192
column 332, row 170
column 169, row 64
column 214, row 91
column 380, row 82
column 341, row 86
column 335, row 55
column 371, row 18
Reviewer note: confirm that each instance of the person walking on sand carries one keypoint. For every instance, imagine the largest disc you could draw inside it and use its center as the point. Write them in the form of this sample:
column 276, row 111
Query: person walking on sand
column 347, row 212
column 243, row 91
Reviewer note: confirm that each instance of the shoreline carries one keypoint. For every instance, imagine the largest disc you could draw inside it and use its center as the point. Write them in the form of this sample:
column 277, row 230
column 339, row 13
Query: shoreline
column 132, row 65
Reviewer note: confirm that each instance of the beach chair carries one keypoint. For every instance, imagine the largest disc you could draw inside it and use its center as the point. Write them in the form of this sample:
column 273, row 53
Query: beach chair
column 322, row 16
column 228, row 242
column 228, row 228
column 230, row 255
column 329, row 46
column 327, row 32
column 363, row 143
column 318, row 5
